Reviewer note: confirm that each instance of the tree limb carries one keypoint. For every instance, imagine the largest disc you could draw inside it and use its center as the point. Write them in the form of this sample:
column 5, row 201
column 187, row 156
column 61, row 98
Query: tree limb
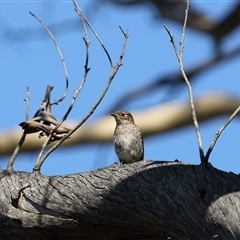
column 143, row 200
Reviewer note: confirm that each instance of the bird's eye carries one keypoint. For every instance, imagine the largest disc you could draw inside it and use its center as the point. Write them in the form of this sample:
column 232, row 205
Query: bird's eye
column 123, row 114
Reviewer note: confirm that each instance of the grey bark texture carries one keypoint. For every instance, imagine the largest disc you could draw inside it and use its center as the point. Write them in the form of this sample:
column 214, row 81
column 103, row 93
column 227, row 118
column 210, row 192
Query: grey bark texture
column 143, row 200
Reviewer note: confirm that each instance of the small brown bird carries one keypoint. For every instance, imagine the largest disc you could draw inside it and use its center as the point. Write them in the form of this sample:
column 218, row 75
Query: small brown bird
column 127, row 138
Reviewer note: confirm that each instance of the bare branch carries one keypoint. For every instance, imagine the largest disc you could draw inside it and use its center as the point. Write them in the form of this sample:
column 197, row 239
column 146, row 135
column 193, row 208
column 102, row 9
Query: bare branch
column 184, row 31
column 171, row 81
column 219, row 132
column 61, row 58
column 27, row 100
column 189, row 86
column 46, row 101
column 82, row 19
column 33, row 127
column 16, row 151
column 81, row 15
column 23, row 137
column 112, row 75
column 42, row 158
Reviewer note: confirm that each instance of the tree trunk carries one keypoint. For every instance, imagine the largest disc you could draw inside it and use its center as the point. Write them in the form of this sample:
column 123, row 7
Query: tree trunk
column 143, row 200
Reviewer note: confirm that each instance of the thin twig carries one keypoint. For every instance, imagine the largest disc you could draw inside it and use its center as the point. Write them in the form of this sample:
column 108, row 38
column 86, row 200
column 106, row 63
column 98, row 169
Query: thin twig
column 27, row 100
column 61, row 58
column 82, row 19
column 42, row 158
column 219, row 132
column 76, row 92
column 81, row 15
column 189, row 86
column 22, row 139
column 171, row 81
column 112, row 75
column 45, row 102
column 184, row 31
column 17, row 149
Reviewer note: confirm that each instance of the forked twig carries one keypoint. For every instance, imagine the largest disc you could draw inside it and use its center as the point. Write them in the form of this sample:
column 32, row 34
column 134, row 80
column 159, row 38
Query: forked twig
column 34, row 125
column 42, row 158
column 28, row 125
column 114, row 70
column 60, row 56
column 189, row 86
column 81, row 15
column 219, row 132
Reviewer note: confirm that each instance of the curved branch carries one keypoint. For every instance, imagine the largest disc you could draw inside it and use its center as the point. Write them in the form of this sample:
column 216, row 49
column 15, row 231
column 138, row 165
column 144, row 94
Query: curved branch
column 81, row 15
column 112, row 75
column 61, row 58
column 42, row 157
column 156, row 200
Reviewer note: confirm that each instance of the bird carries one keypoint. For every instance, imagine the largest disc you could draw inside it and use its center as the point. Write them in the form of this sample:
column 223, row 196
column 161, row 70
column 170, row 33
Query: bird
column 127, row 138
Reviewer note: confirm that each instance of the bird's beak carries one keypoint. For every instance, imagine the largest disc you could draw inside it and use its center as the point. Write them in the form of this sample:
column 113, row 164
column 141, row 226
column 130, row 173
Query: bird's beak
column 113, row 114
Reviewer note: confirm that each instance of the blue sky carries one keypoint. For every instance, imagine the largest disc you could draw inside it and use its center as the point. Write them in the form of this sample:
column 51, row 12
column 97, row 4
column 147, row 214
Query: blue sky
column 29, row 58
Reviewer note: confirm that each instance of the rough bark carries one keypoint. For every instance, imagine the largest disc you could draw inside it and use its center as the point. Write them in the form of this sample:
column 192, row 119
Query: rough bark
column 143, row 200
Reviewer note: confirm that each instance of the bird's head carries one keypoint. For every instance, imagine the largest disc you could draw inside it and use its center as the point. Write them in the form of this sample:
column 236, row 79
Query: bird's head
column 123, row 116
